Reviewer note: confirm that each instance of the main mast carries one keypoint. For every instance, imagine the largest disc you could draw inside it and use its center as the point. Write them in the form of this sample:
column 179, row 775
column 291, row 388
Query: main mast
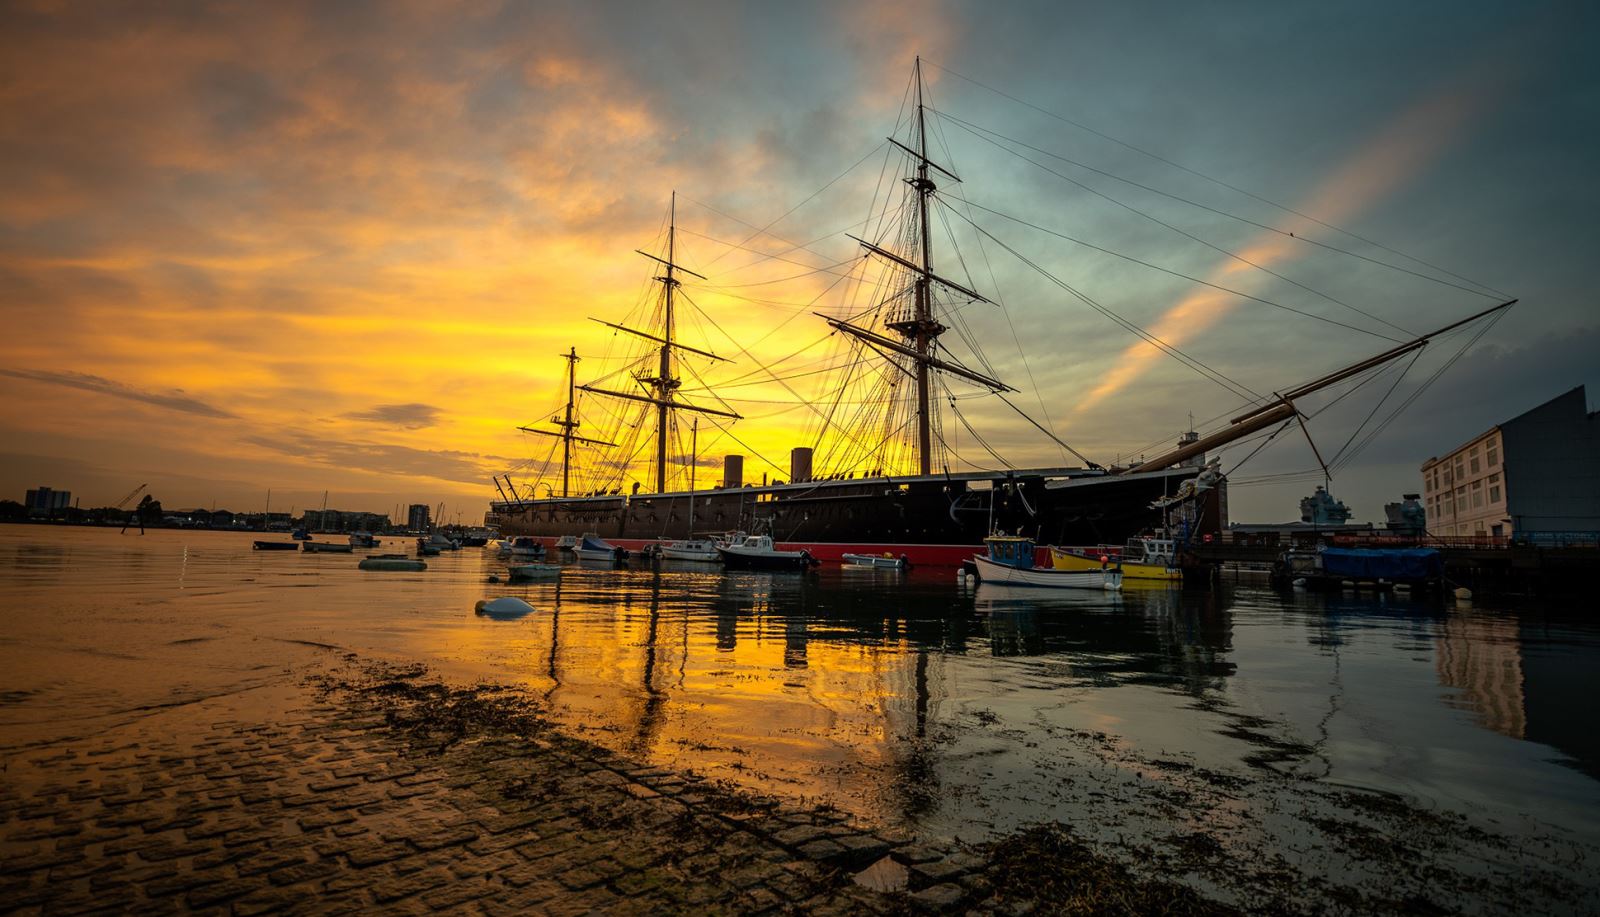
column 921, row 329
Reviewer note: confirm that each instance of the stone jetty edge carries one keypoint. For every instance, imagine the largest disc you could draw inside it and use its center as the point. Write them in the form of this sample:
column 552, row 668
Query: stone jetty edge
column 370, row 787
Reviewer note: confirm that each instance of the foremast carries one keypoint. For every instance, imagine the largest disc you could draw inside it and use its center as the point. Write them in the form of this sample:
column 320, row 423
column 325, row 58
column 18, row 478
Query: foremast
column 665, row 382
column 920, row 329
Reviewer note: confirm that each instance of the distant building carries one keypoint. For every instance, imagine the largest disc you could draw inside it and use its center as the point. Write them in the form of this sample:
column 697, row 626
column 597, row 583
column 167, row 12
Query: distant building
column 44, row 501
column 339, row 520
column 417, row 517
column 1537, row 472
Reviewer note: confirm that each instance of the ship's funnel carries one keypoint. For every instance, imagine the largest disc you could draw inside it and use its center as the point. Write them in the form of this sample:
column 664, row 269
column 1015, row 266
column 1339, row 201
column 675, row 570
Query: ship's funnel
column 733, row 471
column 799, row 464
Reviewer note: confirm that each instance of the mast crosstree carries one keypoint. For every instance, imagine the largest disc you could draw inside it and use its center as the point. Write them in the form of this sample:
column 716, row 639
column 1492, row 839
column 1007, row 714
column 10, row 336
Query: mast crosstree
column 568, row 424
column 920, row 329
column 665, row 382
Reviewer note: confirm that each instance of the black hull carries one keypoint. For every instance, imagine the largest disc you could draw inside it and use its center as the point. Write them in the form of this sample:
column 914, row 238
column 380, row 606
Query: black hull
column 733, row 560
column 1077, row 508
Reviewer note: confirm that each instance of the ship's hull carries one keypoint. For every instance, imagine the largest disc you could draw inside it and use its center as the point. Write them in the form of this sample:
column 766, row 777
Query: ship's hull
column 934, row 520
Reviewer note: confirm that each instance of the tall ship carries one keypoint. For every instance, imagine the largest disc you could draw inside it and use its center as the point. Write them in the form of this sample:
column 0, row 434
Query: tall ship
column 887, row 485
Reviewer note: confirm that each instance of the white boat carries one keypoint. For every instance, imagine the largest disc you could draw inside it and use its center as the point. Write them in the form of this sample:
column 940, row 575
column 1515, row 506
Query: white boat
column 567, row 543
column 699, row 549
column 438, row 540
column 391, row 562
column 534, row 571
column 592, row 548
column 757, row 552
column 524, row 546
column 1010, row 562
column 427, row 548
column 363, row 540
column 885, row 561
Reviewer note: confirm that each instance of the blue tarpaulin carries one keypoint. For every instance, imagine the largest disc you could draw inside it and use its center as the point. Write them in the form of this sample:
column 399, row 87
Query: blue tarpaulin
column 1382, row 563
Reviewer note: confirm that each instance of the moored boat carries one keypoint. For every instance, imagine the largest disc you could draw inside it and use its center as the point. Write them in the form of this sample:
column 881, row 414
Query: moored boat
column 534, row 571
column 756, row 552
column 1010, row 562
column 885, row 561
column 391, row 562
column 276, row 546
column 325, row 547
column 524, row 546
column 363, row 540
column 703, row 550
column 1143, row 559
column 592, row 548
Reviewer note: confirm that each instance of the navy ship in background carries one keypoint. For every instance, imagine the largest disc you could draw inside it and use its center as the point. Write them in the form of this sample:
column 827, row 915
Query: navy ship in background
column 922, row 509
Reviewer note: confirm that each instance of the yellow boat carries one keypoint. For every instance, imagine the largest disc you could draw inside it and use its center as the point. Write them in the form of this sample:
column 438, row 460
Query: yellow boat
column 1142, row 559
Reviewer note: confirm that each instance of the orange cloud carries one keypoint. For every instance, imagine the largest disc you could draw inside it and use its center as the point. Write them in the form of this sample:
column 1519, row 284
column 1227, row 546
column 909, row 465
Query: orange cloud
column 1405, row 145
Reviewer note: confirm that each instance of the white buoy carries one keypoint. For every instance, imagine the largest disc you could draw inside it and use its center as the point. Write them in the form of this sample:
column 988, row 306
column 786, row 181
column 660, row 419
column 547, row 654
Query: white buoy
column 505, row 608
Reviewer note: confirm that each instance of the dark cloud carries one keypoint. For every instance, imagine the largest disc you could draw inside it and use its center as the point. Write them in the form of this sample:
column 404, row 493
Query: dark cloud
column 382, row 458
column 174, row 400
column 409, row 416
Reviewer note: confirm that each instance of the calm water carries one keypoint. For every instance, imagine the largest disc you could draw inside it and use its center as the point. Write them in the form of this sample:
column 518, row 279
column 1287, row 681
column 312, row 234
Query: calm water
column 907, row 700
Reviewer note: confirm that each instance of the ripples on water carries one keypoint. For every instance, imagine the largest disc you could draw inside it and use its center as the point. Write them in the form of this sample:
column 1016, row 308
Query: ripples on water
column 905, row 699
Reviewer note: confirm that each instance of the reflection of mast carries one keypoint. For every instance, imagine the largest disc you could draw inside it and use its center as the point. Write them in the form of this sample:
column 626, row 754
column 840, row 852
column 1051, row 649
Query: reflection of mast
column 567, row 425
column 664, row 383
column 653, row 697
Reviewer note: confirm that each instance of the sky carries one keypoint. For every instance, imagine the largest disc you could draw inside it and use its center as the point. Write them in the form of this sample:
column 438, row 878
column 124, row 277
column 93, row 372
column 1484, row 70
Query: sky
column 339, row 248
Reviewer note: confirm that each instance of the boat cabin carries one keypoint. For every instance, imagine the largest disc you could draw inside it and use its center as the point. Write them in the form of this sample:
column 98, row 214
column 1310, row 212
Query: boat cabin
column 1011, row 550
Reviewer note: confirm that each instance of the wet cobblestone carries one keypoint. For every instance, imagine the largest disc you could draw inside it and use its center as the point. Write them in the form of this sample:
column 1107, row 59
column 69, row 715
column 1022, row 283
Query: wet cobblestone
column 292, row 798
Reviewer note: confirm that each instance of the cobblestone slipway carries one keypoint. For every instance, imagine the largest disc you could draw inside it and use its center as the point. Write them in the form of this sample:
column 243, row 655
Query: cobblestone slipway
column 348, row 793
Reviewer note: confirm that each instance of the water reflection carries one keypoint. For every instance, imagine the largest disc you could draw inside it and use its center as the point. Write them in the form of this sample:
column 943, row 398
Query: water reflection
column 900, row 697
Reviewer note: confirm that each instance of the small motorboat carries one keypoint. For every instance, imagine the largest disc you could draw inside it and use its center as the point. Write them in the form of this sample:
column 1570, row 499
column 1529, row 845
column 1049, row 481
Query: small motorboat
column 592, row 548
column 696, row 549
column 534, row 571
column 363, row 540
column 1011, row 562
column 1142, row 559
column 325, row 547
column 427, row 549
column 300, row 534
column 391, row 562
column 438, row 540
column 476, row 538
column 884, row 561
column 525, row 546
column 276, row 546
column 757, row 552
column 567, row 543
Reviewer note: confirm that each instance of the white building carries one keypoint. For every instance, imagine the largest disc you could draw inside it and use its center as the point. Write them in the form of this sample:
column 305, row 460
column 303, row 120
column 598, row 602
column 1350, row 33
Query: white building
column 1538, row 472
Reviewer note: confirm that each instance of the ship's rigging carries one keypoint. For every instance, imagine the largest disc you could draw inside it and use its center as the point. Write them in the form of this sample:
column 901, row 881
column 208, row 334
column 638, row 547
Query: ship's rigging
column 879, row 404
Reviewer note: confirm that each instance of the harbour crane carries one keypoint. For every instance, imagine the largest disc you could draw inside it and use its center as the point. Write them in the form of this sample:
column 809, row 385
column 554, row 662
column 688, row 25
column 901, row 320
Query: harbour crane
column 124, row 502
column 131, row 494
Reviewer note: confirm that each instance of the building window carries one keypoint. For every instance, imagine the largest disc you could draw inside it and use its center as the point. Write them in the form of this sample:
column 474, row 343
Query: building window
column 1494, row 493
column 1474, row 465
column 1494, row 456
column 1497, row 530
column 1477, row 494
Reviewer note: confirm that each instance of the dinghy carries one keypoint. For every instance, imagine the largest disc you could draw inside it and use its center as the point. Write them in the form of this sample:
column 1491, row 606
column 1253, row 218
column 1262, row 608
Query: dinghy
column 391, row 562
